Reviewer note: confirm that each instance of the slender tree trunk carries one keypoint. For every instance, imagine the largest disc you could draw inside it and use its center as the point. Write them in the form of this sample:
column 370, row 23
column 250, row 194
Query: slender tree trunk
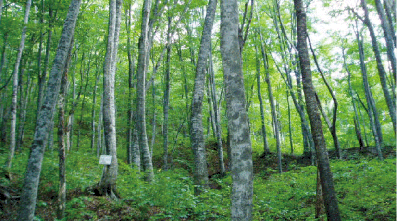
column 372, row 112
column 381, row 70
column 1, row 9
column 93, row 112
column 273, row 109
column 218, row 127
column 61, row 141
column 141, row 93
column 388, row 34
column 196, row 132
column 29, row 190
column 15, row 85
column 240, row 141
column 22, row 118
column 258, row 81
column 356, row 118
column 327, row 183
column 331, row 127
column 99, row 129
column 153, row 120
column 131, row 85
column 166, row 98
column 107, row 185
column 390, row 11
column 291, row 142
column 41, row 80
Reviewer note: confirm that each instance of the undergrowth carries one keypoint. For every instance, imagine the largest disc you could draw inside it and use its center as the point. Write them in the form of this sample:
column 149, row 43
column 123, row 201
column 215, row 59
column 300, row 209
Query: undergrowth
column 365, row 190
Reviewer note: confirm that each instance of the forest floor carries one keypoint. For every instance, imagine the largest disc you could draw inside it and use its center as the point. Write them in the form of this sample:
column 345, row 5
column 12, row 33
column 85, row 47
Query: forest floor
column 155, row 202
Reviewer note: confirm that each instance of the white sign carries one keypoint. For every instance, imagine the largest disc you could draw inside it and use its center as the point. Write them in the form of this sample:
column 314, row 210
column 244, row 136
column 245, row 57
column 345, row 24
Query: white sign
column 105, row 159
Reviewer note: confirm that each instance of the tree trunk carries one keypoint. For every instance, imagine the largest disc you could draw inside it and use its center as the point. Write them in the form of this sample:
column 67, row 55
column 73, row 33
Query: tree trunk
column 356, row 118
column 273, row 109
column 331, row 127
column 372, row 112
column 240, row 141
column 327, row 183
column 258, row 81
column 196, row 132
column 141, row 93
column 388, row 34
column 107, row 185
column 131, row 85
column 291, row 142
column 319, row 198
column 381, row 70
column 99, row 129
column 217, row 120
column 166, row 98
column 390, row 11
column 93, row 112
column 61, row 141
column 15, row 85
column 29, row 190
column 22, row 118
column 1, row 9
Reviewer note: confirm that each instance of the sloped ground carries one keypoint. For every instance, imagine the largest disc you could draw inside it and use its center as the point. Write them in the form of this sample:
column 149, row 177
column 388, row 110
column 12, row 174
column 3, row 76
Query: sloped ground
column 365, row 187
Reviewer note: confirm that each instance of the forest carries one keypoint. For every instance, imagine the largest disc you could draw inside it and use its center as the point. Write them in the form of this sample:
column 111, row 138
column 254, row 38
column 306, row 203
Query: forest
column 198, row 110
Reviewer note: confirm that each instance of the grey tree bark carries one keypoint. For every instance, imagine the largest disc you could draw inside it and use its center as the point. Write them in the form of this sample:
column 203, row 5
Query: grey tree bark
column 218, row 128
column 93, row 111
column 391, row 104
column 196, row 131
column 29, row 190
column 258, row 81
column 356, row 118
column 327, row 183
column 14, row 95
column 273, row 108
column 141, row 93
column 166, row 98
column 274, row 114
column 1, row 9
column 388, row 34
column 107, row 185
column 131, row 84
column 99, row 129
column 23, row 110
column 390, row 10
column 238, row 125
column 61, row 141
column 372, row 111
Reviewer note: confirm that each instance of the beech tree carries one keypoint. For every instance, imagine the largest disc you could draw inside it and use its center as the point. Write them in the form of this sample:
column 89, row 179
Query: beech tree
column 31, row 182
column 107, row 185
column 15, row 85
column 327, row 183
column 238, row 125
column 196, row 128
column 141, row 93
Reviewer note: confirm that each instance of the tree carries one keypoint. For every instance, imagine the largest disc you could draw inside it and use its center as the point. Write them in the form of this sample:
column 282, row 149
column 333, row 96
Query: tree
column 61, row 141
column 107, row 185
column 141, row 93
column 31, row 182
column 15, row 85
column 372, row 111
column 327, row 183
column 258, row 81
column 196, row 130
column 240, row 140
column 381, row 70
